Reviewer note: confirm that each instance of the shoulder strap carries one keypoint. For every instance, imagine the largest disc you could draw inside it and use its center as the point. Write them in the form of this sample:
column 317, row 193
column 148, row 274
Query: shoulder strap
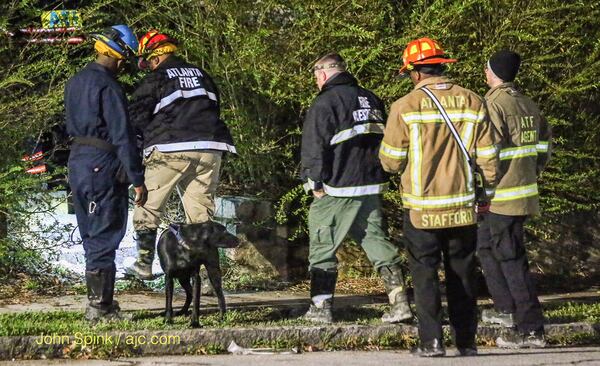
column 446, row 118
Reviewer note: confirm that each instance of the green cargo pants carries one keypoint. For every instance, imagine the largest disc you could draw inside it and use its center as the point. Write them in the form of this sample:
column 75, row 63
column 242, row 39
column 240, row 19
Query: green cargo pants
column 330, row 219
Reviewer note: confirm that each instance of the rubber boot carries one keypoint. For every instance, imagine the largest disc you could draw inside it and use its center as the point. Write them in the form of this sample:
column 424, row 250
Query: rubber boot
column 100, row 290
column 393, row 281
column 434, row 348
column 322, row 288
column 142, row 268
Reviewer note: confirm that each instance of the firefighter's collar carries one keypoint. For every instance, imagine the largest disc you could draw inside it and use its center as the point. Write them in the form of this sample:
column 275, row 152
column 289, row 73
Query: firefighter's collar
column 171, row 60
column 98, row 67
column 341, row 78
column 434, row 80
column 501, row 86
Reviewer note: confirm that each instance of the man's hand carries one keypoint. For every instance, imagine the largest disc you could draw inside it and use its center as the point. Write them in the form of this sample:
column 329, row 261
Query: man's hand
column 319, row 193
column 141, row 195
column 482, row 208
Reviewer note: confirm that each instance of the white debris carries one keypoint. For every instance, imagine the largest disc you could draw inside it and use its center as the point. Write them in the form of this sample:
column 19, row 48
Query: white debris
column 237, row 350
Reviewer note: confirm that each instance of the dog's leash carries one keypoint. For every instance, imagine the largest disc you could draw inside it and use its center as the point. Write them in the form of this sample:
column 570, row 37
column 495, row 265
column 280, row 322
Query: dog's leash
column 175, row 229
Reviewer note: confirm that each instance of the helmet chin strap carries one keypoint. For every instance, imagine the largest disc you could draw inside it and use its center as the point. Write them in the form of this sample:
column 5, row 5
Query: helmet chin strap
column 143, row 64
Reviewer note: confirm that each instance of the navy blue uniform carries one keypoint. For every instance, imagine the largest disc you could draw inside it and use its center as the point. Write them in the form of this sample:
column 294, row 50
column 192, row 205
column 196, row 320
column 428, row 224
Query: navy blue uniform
column 96, row 107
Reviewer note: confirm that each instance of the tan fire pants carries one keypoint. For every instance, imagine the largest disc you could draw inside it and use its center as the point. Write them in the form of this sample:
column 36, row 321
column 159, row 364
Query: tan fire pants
column 195, row 174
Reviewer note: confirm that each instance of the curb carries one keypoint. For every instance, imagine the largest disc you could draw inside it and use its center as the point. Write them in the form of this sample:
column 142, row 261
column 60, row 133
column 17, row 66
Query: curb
column 210, row 341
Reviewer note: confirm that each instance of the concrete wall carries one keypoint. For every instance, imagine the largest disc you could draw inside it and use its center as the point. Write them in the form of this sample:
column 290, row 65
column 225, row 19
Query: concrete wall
column 264, row 245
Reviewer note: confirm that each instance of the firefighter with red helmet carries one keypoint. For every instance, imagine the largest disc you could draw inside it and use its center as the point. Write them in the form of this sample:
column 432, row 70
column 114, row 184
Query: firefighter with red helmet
column 176, row 109
column 439, row 138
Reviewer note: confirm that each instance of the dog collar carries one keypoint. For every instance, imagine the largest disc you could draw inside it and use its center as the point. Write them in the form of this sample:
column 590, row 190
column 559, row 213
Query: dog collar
column 176, row 230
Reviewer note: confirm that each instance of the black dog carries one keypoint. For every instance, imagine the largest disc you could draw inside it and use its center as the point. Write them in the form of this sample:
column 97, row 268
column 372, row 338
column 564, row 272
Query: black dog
column 181, row 250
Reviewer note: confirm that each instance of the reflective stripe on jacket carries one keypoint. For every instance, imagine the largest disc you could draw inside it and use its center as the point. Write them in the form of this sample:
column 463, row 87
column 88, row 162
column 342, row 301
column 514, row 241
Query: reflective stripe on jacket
column 418, row 144
column 524, row 151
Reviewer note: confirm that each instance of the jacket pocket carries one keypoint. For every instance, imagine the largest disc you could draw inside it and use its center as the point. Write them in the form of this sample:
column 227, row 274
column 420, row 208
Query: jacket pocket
column 102, row 175
column 326, row 235
column 321, row 221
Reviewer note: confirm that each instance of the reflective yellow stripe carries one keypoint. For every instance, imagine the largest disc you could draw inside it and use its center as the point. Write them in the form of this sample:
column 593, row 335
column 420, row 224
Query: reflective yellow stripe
column 448, row 110
column 515, row 193
column 518, row 152
column 434, row 117
column 486, row 152
column 466, row 136
column 542, row 146
column 481, row 115
column 416, row 155
column 392, row 152
column 458, row 200
column 436, row 112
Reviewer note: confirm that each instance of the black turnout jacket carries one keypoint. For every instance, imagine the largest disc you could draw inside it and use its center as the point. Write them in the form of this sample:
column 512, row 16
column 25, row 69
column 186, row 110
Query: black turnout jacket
column 340, row 140
column 176, row 107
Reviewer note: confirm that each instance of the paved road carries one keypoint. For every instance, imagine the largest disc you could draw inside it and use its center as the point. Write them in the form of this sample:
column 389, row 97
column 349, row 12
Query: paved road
column 585, row 356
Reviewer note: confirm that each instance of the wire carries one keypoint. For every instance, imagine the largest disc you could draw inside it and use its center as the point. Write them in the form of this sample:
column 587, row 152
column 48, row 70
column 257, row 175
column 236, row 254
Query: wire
column 72, row 234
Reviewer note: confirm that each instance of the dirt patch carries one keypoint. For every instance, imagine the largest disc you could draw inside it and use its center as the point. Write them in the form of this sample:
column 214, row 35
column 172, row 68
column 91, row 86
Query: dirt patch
column 23, row 288
column 349, row 286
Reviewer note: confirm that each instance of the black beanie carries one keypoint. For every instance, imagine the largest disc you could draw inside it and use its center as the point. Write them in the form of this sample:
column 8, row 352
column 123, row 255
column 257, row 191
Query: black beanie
column 505, row 64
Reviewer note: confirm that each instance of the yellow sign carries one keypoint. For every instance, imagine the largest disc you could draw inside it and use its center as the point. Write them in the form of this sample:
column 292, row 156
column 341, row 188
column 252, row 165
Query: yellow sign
column 61, row 19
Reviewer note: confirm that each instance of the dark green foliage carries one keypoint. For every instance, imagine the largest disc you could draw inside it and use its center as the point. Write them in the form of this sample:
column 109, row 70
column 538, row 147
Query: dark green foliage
column 260, row 53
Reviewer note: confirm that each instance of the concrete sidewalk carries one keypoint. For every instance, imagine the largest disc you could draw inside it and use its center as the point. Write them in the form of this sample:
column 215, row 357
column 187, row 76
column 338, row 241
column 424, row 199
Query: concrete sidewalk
column 584, row 356
column 155, row 301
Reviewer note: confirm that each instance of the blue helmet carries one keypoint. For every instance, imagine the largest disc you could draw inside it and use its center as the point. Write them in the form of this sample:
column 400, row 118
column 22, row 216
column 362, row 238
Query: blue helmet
column 120, row 38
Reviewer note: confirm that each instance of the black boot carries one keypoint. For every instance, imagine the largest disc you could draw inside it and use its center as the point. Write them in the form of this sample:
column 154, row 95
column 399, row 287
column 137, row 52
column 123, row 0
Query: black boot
column 146, row 243
column 100, row 286
column 393, row 281
column 434, row 348
column 322, row 288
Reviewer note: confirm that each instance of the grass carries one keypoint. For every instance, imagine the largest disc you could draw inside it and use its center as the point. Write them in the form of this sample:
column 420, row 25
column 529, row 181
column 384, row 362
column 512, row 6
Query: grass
column 73, row 323
column 571, row 312
column 68, row 322
column 62, row 322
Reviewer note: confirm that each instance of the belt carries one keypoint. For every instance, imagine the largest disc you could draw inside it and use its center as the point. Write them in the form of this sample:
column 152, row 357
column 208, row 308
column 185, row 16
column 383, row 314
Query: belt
column 96, row 142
